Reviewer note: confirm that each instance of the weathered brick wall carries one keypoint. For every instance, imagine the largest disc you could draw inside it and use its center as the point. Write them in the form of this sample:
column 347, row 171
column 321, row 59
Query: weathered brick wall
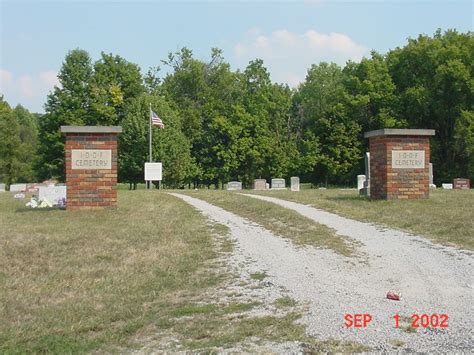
column 91, row 188
column 391, row 183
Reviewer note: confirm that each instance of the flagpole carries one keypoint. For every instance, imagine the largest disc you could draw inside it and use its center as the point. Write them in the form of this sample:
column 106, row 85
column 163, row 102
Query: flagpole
column 150, row 139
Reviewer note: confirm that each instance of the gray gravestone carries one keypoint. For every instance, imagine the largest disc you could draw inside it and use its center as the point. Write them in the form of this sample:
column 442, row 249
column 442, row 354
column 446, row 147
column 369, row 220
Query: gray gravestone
column 18, row 188
column 259, row 184
column 360, row 182
column 295, row 183
column 234, row 185
column 367, row 175
column 2, row 187
column 432, row 186
column 447, row 186
column 267, row 186
column 278, row 184
column 53, row 194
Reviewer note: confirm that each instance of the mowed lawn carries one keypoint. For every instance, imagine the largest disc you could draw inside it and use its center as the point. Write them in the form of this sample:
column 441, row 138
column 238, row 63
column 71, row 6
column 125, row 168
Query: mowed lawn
column 143, row 276
column 447, row 217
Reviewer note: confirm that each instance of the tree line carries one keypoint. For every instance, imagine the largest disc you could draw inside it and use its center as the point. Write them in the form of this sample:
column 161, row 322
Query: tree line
column 224, row 125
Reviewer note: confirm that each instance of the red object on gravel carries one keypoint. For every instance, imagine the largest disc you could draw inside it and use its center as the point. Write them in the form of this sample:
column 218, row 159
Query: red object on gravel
column 393, row 296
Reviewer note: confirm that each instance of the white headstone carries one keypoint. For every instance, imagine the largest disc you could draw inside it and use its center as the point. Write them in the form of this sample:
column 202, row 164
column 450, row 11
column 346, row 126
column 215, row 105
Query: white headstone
column 447, row 186
column 367, row 174
column 2, row 187
column 53, row 194
column 234, row 185
column 295, row 183
column 18, row 188
column 278, row 184
column 267, row 186
column 360, row 182
column 431, row 173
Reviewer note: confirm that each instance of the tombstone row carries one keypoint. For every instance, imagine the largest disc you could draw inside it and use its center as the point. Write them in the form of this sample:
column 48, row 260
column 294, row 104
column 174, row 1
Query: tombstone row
column 261, row 184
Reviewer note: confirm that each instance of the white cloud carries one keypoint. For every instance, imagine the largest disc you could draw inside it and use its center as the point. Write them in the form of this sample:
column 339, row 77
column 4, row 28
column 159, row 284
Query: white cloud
column 289, row 55
column 26, row 89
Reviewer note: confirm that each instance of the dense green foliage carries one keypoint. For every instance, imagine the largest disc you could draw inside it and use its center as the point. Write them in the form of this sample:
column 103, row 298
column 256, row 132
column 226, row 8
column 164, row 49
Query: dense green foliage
column 226, row 125
column 18, row 144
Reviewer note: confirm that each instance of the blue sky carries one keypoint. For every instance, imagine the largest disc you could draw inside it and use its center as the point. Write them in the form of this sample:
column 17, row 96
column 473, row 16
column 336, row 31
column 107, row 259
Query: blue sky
column 288, row 35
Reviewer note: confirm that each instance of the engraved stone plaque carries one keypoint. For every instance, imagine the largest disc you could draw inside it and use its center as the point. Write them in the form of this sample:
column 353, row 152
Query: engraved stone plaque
column 408, row 159
column 87, row 159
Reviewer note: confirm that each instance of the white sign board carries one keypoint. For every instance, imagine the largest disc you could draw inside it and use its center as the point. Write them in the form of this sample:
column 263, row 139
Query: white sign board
column 408, row 159
column 53, row 194
column 91, row 159
column 153, row 171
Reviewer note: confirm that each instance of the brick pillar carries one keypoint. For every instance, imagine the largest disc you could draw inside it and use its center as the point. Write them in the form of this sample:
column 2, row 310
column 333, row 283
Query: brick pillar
column 91, row 166
column 399, row 163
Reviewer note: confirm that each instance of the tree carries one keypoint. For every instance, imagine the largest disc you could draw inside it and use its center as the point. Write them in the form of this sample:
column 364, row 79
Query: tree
column 433, row 78
column 10, row 145
column 67, row 104
column 330, row 136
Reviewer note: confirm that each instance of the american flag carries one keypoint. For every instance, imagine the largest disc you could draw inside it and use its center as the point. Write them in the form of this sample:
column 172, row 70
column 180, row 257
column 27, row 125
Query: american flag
column 156, row 120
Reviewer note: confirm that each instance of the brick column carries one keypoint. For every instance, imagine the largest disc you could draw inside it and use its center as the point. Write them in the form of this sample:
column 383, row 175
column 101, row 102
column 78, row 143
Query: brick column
column 399, row 163
column 91, row 166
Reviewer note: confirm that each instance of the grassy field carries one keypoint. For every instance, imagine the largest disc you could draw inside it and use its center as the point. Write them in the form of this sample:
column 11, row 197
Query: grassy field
column 112, row 280
column 447, row 217
column 281, row 221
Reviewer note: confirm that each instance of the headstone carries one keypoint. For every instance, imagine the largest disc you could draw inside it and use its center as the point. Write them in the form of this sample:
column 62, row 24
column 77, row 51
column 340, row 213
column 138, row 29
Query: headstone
column 430, row 166
column 19, row 196
column 234, row 185
column 461, row 183
column 295, row 183
column 18, row 188
column 366, row 188
column 2, row 187
column 360, row 183
column 278, row 184
column 267, row 186
column 447, row 186
column 53, row 194
column 259, row 184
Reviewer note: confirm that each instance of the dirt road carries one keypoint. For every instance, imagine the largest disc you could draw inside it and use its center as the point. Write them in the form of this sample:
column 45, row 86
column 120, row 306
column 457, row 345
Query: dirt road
column 432, row 280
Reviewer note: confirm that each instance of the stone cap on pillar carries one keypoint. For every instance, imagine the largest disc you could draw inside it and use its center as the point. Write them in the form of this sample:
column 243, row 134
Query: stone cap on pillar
column 91, row 129
column 399, row 132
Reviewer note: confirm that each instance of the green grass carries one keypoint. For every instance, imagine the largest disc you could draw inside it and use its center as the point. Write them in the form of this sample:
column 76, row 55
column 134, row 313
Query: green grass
column 447, row 217
column 281, row 221
column 284, row 302
column 108, row 281
column 258, row 276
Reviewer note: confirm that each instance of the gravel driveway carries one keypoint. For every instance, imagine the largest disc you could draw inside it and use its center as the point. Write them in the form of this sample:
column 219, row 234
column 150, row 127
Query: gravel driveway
column 432, row 279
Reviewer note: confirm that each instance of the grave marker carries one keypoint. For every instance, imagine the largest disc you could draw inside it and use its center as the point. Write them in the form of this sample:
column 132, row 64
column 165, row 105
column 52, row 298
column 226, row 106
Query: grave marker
column 447, row 186
column 54, row 194
column 2, row 187
column 461, row 184
column 259, row 184
column 18, row 188
column 234, row 185
column 366, row 189
column 360, row 183
column 278, row 184
column 295, row 183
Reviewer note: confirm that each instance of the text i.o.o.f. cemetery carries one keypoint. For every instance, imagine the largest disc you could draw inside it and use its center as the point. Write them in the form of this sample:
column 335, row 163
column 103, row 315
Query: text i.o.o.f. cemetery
column 91, row 159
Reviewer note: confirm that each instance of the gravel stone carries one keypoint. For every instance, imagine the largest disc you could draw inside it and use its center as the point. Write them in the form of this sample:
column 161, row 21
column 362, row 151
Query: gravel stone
column 432, row 279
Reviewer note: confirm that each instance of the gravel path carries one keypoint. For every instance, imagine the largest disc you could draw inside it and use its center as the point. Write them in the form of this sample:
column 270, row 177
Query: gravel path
column 431, row 279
